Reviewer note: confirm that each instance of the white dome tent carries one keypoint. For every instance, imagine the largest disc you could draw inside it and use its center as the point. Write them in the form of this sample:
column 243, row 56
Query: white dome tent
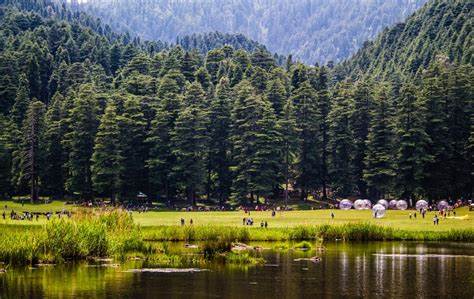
column 421, row 204
column 443, row 205
column 402, row 205
column 368, row 204
column 392, row 204
column 359, row 204
column 345, row 204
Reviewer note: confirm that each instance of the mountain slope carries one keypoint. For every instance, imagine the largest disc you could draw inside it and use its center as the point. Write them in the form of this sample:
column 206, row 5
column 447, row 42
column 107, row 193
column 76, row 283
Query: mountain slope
column 311, row 30
column 439, row 28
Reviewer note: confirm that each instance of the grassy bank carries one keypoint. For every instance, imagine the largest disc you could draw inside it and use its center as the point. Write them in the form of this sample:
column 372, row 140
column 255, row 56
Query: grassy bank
column 347, row 232
column 92, row 236
column 87, row 236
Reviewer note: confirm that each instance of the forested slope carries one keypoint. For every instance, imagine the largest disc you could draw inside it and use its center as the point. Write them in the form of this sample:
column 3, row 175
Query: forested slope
column 314, row 31
column 440, row 28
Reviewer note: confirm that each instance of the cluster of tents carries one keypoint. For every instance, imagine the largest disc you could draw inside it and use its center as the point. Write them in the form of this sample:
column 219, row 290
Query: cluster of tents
column 380, row 208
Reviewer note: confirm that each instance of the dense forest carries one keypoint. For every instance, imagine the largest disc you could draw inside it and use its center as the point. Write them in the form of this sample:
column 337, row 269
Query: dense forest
column 314, row 31
column 87, row 113
column 442, row 26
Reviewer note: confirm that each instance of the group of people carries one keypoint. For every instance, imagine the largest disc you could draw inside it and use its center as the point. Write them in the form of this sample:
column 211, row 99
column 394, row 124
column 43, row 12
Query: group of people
column 249, row 221
column 443, row 213
column 26, row 215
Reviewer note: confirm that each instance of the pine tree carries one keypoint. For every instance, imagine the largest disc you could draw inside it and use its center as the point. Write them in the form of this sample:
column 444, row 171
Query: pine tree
column 133, row 128
column 308, row 118
column 266, row 164
column 323, row 104
column 5, row 157
column 107, row 160
column 263, row 59
column 30, row 151
column 341, row 142
column 203, row 77
column 379, row 172
column 289, row 135
column 359, row 125
column 213, row 59
column 8, row 81
column 219, row 143
column 459, row 97
column 256, row 158
column 22, row 101
column 115, row 58
column 276, row 95
column 434, row 99
column 53, row 178
column 161, row 159
column 189, row 139
column 189, row 66
column 412, row 143
column 259, row 79
column 79, row 141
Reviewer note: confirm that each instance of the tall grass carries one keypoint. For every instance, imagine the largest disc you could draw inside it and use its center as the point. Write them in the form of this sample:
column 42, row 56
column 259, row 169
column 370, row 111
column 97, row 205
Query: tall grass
column 107, row 234
column 348, row 232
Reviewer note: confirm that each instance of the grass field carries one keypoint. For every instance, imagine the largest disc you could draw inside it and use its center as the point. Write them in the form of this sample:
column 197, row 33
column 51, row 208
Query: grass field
column 393, row 218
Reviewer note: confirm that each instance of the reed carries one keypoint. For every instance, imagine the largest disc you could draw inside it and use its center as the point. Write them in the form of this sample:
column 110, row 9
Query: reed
column 349, row 232
column 107, row 234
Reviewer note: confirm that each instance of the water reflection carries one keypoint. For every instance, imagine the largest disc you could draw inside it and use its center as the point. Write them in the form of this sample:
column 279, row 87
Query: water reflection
column 350, row 270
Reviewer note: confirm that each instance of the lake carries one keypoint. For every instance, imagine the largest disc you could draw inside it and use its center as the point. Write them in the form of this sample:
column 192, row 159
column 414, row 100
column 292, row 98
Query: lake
column 369, row 270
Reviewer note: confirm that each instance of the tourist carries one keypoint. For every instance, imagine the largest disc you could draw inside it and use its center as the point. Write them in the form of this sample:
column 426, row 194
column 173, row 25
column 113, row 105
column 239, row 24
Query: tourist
column 244, row 220
column 437, row 220
column 332, row 215
column 410, row 215
column 190, row 221
column 273, row 213
column 3, row 215
column 182, row 222
column 266, row 224
column 262, row 224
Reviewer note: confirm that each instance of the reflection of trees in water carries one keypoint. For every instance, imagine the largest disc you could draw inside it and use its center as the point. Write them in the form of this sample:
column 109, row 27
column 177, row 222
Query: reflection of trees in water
column 377, row 269
column 64, row 281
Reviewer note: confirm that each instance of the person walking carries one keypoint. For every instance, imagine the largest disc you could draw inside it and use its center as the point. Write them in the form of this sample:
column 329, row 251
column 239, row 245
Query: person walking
column 332, row 215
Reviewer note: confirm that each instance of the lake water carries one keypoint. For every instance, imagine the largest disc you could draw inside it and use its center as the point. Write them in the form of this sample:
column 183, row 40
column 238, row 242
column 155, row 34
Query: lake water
column 350, row 270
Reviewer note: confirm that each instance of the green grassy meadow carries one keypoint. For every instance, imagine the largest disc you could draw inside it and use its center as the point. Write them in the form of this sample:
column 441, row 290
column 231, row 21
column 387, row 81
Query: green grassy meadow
column 393, row 218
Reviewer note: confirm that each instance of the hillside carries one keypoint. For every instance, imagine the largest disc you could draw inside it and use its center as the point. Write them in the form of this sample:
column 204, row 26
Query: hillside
column 312, row 30
column 440, row 28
